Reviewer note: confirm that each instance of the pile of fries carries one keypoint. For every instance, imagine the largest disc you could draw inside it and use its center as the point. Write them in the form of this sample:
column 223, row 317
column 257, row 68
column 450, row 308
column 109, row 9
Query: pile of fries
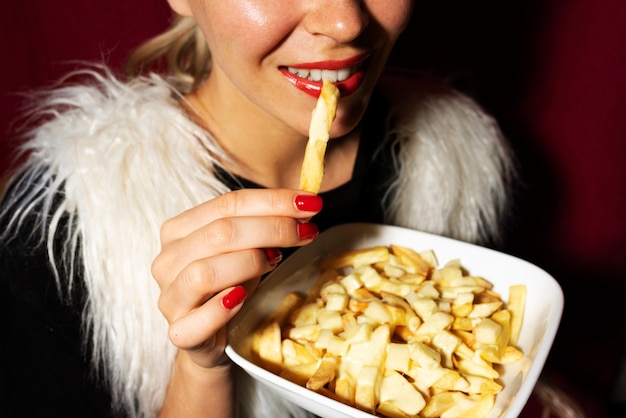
column 388, row 331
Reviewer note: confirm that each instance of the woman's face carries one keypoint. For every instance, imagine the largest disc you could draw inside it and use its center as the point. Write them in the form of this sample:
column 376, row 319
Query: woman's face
column 273, row 53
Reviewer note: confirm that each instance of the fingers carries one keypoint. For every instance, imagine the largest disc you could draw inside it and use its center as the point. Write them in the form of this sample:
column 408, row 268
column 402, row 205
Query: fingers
column 235, row 221
column 197, row 329
column 202, row 279
column 230, row 235
column 241, row 203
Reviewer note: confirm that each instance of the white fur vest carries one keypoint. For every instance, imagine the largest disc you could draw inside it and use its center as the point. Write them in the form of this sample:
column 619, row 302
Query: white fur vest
column 128, row 157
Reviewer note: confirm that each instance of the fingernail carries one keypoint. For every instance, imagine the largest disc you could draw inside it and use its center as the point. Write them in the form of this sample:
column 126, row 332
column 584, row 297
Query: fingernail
column 307, row 230
column 273, row 255
column 234, row 297
column 309, row 203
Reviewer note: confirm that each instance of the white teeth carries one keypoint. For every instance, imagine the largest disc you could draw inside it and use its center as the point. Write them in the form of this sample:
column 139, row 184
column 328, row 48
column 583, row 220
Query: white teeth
column 319, row 75
column 316, row 75
column 343, row 74
column 329, row 74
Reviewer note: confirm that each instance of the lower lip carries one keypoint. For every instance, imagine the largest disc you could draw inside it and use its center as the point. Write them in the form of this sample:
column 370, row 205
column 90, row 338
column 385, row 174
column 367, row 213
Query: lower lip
column 313, row 88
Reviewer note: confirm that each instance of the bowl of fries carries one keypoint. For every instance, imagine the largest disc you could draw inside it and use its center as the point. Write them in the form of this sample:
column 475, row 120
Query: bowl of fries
column 375, row 320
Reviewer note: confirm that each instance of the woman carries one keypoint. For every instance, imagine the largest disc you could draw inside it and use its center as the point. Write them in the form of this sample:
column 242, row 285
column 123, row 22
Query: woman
column 148, row 210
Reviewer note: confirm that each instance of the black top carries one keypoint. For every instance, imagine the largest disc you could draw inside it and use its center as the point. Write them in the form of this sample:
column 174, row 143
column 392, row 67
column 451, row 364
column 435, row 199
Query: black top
column 45, row 368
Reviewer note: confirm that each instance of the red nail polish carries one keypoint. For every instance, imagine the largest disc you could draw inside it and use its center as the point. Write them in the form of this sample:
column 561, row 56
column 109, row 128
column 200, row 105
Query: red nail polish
column 234, row 297
column 307, row 230
column 309, row 203
column 273, row 255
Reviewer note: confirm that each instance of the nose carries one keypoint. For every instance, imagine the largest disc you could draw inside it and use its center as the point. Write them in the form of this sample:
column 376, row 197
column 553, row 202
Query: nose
column 342, row 20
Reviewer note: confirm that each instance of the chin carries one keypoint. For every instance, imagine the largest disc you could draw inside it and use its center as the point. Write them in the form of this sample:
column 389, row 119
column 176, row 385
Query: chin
column 348, row 119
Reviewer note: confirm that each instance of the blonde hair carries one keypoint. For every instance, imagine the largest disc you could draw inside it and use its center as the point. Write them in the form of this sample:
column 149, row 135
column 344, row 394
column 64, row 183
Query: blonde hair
column 182, row 48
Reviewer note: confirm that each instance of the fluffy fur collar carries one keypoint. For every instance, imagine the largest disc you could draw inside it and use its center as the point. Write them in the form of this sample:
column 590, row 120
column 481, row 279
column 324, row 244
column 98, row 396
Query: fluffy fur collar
column 127, row 158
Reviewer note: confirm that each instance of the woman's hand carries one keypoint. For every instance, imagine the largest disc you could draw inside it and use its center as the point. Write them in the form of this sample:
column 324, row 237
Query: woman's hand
column 213, row 255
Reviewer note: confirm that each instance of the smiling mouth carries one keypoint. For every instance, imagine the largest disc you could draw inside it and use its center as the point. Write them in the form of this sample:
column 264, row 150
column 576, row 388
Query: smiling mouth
column 347, row 75
column 317, row 75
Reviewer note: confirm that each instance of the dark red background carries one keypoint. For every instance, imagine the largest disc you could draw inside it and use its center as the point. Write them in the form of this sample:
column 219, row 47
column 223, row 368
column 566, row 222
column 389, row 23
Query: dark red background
column 554, row 74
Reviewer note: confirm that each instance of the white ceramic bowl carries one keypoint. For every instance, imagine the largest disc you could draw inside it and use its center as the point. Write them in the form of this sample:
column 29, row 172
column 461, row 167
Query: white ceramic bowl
column 544, row 306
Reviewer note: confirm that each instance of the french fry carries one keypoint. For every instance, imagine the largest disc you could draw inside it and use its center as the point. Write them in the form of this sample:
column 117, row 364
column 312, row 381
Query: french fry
column 269, row 347
column 294, row 353
column 397, row 391
column 321, row 119
column 385, row 330
column 366, row 387
column 299, row 374
column 356, row 258
column 517, row 301
column 324, row 373
column 410, row 257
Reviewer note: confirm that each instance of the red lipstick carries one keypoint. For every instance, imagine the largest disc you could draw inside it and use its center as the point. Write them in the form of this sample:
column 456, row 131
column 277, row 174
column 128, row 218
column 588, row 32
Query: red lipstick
column 313, row 88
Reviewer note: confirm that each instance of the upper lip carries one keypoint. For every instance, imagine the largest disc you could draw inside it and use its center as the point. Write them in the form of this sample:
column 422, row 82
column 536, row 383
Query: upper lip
column 331, row 64
column 336, row 70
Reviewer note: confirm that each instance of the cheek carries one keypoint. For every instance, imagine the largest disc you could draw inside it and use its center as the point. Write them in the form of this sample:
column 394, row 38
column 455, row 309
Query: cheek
column 392, row 17
column 247, row 26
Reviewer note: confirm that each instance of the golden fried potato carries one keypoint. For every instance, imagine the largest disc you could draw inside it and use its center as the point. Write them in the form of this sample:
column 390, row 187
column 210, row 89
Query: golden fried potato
column 319, row 133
